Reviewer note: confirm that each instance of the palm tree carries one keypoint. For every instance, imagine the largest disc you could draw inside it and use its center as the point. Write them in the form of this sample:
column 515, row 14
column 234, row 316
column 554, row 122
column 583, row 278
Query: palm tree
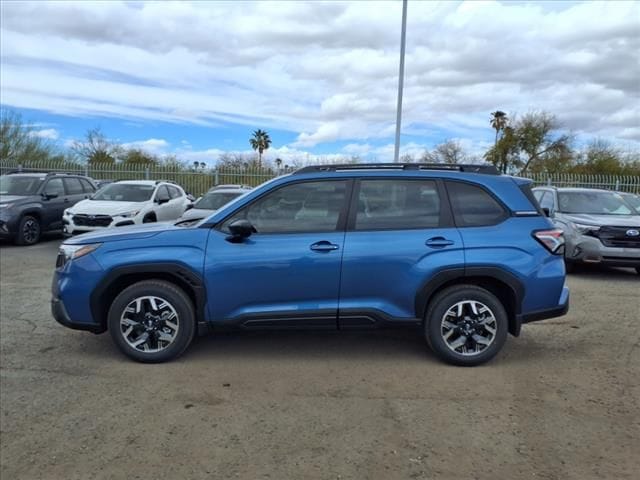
column 499, row 120
column 260, row 142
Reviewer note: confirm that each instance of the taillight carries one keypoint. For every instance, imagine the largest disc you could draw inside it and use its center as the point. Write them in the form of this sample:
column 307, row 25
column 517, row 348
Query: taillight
column 553, row 240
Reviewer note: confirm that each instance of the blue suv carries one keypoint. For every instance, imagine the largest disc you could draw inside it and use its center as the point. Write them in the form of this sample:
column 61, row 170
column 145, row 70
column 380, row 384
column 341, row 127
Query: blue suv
column 461, row 252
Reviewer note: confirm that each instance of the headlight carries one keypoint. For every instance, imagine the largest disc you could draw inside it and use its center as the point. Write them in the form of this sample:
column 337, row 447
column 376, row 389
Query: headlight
column 585, row 229
column 133, row 213
column 76, row 251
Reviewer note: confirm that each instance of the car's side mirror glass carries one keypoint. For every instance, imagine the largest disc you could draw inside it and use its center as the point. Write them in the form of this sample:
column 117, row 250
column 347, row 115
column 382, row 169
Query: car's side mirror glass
column 240, row 229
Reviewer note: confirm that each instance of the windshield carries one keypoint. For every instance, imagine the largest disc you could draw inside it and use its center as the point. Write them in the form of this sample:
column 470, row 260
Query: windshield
column 593, row 203
column 15, row 185
column 123, row 192
column 215, row 200
column 633, row 200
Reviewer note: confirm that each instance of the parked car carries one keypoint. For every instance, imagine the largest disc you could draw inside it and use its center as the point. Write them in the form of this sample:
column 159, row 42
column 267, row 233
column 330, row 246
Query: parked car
column 632, row 199
column 102, row 183
column 124, row 203
column 214, row 199
column 461, row 252
column 32, row 203
column 599, row 225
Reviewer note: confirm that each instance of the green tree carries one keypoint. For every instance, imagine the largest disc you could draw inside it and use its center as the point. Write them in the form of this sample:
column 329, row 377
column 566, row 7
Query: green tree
column 539, row 138
column 504, row 154
column 95, row 148
column 136, row 156
column 499, row 121
column 19, row 142
column 260, row 142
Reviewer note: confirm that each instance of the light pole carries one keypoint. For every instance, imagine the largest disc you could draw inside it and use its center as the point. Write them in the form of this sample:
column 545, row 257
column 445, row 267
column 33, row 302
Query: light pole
column 403, row 37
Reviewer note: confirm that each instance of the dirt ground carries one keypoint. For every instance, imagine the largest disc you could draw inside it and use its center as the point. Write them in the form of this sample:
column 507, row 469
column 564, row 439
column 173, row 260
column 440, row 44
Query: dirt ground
column 560, row 402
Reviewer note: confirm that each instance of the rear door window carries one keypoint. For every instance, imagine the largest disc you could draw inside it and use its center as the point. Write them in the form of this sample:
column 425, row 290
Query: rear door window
column 389, row 204
column 73, row 186
column 473, row 206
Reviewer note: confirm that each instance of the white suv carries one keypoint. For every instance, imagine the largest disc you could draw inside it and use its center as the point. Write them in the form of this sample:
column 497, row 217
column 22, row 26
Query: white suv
column 124, row 203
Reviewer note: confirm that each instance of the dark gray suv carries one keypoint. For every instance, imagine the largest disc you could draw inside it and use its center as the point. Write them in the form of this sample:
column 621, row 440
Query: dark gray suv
column 32, row 203
column 599, row 226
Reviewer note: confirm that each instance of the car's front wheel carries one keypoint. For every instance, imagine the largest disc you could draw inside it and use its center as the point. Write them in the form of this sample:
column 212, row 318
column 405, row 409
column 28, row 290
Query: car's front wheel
column 152, row 321
column 28, row 231
column 466, row 325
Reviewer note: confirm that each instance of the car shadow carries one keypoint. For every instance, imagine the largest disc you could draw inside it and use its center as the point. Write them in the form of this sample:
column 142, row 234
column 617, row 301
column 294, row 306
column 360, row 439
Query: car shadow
column 602, row 272
column 46, row 238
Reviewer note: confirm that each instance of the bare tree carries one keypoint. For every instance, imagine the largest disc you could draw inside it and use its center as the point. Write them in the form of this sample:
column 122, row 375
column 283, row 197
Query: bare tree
column 95, row 148
column 449, row 151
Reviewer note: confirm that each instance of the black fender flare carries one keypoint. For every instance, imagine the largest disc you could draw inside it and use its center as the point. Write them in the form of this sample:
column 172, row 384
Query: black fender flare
column 182, row 275
column 429, row 287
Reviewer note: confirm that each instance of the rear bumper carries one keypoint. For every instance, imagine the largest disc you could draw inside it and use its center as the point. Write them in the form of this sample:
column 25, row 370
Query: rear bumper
column 561, row 309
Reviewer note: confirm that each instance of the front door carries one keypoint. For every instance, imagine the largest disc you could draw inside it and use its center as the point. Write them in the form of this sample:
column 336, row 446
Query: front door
column 287, row 274
column 54, row 204
column 400, row 234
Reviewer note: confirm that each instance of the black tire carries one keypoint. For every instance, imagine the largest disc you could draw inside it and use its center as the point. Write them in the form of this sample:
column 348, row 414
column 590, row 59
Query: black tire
column 638, row 270
column 569, row 267
column 149, row 218
column 448, row 298
column 171, row 294
column 29, row 231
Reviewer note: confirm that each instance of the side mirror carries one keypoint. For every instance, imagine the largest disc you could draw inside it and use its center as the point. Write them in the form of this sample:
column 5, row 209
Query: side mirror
column 547, row 212
column 189, row 206
column 49, row 196
column 160, row 199
column 240, row 229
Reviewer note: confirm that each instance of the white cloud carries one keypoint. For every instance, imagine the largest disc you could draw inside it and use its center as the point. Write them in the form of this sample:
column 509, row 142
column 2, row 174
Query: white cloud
column 327, row 71
column 46, row 133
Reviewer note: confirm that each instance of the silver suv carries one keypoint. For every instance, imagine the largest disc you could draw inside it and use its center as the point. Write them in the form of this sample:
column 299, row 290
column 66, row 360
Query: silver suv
column 599, row 225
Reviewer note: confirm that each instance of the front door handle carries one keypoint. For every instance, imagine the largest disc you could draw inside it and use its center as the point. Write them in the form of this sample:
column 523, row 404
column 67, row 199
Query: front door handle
column 438, row 242
column 323, row 246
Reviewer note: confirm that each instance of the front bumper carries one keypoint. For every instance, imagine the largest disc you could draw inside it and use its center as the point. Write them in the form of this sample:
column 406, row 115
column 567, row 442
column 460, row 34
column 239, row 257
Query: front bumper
column 8, row 225
column 586, row 249
column 69, row 228
column 61, row 316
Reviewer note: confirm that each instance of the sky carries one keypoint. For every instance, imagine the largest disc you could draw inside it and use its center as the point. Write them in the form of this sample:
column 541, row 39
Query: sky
column 196, row 78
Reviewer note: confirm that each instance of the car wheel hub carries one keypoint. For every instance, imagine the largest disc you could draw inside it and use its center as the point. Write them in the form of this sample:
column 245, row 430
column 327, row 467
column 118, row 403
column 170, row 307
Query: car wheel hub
column 149, row 324
column 468, row 327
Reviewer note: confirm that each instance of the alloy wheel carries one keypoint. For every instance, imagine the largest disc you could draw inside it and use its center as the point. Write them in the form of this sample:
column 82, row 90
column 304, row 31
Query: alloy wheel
column 468, row 327
column 149, row 324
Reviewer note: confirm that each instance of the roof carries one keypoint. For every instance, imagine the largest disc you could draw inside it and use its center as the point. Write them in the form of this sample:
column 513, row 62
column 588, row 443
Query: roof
column 151, row 183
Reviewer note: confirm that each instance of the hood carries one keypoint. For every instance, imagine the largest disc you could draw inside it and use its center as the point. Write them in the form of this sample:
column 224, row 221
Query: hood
column 196, row 213
column 602, row 220
column 18, row 198
column 122, row 233
column 105, row 207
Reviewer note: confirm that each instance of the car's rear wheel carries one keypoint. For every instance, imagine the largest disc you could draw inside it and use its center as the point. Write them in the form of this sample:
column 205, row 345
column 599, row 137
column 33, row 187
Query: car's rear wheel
column 29, row 231
column 466, row 325
column 152, row 321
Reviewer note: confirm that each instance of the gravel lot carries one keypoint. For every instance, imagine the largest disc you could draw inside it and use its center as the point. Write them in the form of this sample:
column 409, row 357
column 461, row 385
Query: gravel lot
column 561, row 401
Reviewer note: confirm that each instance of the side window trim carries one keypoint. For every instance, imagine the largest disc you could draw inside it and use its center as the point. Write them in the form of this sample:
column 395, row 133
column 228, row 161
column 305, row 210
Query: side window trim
column 446, row 213
column 507, row 212
column 342, row 216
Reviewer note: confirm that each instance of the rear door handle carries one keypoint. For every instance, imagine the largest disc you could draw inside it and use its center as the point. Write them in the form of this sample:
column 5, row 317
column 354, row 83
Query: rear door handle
column 323, row 246
column 438, row 242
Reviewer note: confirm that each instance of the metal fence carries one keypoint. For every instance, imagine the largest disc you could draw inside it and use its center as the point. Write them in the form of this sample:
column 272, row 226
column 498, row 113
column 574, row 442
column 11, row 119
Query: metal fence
column 627, row 183
column 198, row 181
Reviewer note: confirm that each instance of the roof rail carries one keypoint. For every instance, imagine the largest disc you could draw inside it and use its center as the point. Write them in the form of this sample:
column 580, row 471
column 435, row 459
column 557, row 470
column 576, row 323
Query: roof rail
column 455, row 167
column 166, row 181
column 46, row 172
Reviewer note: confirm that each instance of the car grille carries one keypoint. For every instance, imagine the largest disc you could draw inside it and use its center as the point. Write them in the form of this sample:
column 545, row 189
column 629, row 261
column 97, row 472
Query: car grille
column 92, row 220
column 617, row 237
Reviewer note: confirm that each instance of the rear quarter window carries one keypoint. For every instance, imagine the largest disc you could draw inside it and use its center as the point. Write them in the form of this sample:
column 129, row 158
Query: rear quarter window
column 473, row 206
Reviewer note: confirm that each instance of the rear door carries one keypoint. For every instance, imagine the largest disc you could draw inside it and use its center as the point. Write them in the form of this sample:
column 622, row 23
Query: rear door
column 74, row 189
column 400, row 233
